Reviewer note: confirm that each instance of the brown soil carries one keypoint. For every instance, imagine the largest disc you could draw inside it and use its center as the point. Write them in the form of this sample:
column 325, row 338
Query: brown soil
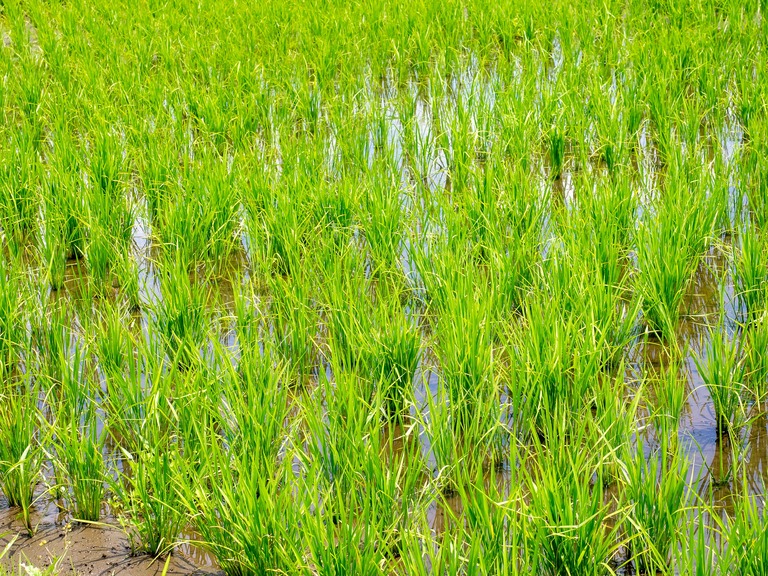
column 87, row 550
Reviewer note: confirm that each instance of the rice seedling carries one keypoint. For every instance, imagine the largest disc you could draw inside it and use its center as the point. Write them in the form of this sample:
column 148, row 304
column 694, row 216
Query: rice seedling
column 384, row 217
column 697, row 555
column 755, row 345
column 153, row 513
column 573, row 528
column 294, row 322
column 19, row 199
column 669, row 246
column 559, row 353
column 239, row 490
column 180, row 313
column 12, row 318
column 745, row 535
column 65, row 209
column 52, row 254
column 338, row 433
column 396, row 352
column 656, row 491
column 21, row 456
column 671, row 393
column 722, row 369
column 465, row 351
column 493, row 528
column 556, row 144
column 514, row 263
column 99, row 255
column 79, row 455
column 361, row 529
column 128, row 278
column 347, row 312
column 51, row 337
column 136, row 398
column 114, row 342
column 749, row 271
column 615, row 422
column 470, row 445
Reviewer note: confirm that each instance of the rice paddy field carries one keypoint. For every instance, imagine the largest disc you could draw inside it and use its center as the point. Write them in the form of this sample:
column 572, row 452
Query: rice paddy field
column 423, row 287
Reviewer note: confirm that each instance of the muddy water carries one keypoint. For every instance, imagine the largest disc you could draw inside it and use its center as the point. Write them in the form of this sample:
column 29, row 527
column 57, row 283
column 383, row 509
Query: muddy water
column 87, row 550
column 709, row 455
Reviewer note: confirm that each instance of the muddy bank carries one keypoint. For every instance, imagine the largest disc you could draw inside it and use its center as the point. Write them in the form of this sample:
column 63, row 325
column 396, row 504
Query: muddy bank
column 87, row 550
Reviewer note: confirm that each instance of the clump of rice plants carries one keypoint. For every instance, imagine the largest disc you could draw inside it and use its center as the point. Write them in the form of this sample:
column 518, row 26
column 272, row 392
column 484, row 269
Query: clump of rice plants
column 671, row 391
column 388, row 288
column 295, row 322
column 669, row 246
column 750, row 271
column 152, row 510
column 360, row 517
column 396, row 353
column 180, row 313
column 745, row 534
column 347, row 311
column 12, row 329
column 656, row 492
column 465, row 352
column 383, row 219
column 238, row 491
column 461, row 441
column 615, row 420
column 198, row 216
column 755, row 344
column 115, row 342
column 20, row 199
column 21, row 453
column 573, row 528
column 79, row 457
column 723, row 371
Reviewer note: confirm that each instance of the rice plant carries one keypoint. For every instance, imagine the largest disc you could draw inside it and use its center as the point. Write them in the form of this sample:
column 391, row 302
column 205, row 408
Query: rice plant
column 396, row 353
column 570, row 519
column 669, row 247
column 756, row 362
column 153, row 514
column 465, row 351
column 749, row 271
column 656, row 491
column 744, row 533
column 180, row 315
column 723, row 371
column 21, row 454
column 79, row 455
column 238, row 493
column 12, row 320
